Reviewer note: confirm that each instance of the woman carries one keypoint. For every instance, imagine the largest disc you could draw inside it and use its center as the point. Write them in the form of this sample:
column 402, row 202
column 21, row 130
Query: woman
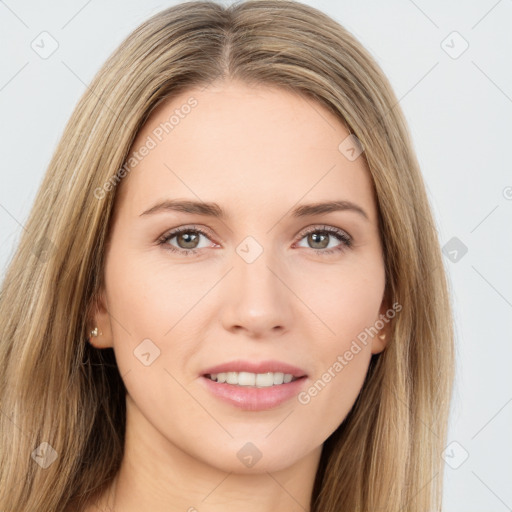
column 230, row 292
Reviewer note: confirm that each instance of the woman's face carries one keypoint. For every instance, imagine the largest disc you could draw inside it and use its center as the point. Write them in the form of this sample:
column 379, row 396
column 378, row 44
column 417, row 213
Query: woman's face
column 271, row 290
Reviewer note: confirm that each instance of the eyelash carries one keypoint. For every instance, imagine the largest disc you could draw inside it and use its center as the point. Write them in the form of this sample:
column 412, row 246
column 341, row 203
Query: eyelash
column 337, row 233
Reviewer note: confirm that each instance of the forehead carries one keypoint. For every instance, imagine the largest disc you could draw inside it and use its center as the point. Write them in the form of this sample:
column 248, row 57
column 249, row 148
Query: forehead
column 245, row 147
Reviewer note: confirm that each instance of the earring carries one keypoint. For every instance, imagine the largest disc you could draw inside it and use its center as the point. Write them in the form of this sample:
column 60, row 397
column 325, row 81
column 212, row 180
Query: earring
column 382, row 337
column 94, row 332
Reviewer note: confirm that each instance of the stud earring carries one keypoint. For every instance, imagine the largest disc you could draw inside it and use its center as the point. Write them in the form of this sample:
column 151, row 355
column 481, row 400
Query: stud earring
column 95, row 333
column 382, row 336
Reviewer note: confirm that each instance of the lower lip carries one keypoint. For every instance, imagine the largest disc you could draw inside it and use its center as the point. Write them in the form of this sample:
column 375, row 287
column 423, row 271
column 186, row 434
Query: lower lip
column 252, row 398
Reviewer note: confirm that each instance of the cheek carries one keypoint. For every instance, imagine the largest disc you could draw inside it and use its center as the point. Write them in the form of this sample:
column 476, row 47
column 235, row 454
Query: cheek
column 345, row 298
column 332, row 392
column 153, row 335
column 149, row 295
column 348, row 303
column 153, row 309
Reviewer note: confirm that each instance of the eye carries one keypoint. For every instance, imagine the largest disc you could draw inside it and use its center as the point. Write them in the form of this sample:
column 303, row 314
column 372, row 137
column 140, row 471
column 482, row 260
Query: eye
column 187, row 238
column 320, row 237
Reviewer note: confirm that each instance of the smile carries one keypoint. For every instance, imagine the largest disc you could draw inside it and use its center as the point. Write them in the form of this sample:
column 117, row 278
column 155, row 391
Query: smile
column 258, row 380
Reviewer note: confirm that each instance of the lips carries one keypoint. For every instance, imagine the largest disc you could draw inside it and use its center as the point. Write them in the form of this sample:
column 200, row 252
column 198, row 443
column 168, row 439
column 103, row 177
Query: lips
column 255, row 367
column 253, row 385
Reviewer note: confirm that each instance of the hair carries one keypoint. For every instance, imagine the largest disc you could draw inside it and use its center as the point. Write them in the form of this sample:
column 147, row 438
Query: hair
column 56, row 388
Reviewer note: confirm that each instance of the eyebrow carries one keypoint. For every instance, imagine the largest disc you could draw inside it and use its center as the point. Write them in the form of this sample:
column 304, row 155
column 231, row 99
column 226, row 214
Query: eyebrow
column 214, row 210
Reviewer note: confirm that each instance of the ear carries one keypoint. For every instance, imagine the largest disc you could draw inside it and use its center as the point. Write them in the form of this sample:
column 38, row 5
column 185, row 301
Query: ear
column 99, row 318
column 381, row 339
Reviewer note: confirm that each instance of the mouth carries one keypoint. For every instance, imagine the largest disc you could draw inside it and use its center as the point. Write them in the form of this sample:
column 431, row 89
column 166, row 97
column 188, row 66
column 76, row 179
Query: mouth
column 261, row 374
column 254, row 386
column 257, row 380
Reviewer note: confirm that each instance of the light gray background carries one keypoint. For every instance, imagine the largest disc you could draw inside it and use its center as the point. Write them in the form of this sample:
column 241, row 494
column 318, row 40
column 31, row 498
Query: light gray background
column 459, row 112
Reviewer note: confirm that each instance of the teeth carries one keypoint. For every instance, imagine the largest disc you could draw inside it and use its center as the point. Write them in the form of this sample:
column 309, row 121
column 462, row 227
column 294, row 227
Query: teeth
column 264, row 380
column 232, row 378
column 246, row 379
column 278, row 378
column 259, row 380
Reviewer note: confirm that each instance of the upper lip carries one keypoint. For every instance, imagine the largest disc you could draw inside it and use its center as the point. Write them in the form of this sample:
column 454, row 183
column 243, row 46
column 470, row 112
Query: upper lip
column 255, row 367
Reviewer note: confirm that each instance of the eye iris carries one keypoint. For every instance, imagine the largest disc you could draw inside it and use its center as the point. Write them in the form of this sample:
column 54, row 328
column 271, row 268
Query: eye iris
column 313, row 237
column 189, row 238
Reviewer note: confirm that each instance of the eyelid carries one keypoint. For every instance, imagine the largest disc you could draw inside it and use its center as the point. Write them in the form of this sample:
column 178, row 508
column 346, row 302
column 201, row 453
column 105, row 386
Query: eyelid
column 171, row 233
column 323, row 227
column 345, row 239
column 207, row 232
column 189, row 227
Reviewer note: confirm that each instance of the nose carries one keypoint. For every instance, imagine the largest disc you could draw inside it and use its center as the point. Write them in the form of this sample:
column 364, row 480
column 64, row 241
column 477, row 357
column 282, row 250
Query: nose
column 256, row 298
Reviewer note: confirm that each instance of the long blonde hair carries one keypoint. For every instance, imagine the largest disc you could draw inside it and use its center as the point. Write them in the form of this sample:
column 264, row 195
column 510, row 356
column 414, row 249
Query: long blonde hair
column 56, row 388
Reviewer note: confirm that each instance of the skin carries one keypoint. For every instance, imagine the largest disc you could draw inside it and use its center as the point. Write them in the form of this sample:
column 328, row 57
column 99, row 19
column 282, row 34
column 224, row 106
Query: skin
column 258, row 152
